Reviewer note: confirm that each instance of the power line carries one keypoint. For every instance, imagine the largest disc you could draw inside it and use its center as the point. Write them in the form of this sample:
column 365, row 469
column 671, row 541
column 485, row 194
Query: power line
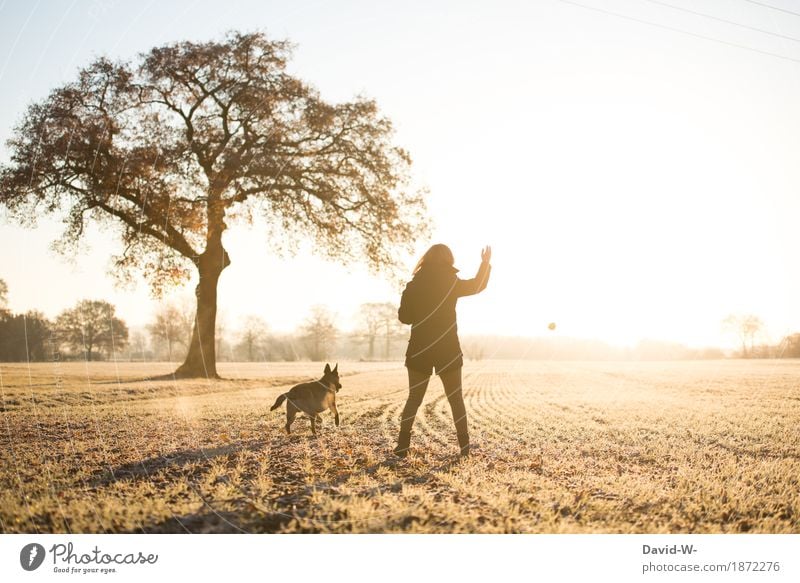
column 771, row 7
column 680, row 31
column 726, row 21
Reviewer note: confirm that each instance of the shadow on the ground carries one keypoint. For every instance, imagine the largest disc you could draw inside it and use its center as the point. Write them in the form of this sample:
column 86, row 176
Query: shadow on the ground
column 264, row 382
column 173, row 460
column 199, row 523
column 244, row 514
column 162, row 377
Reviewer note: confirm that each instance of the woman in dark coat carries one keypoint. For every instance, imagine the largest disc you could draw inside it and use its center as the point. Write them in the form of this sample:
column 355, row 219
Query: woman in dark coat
column 429, row 305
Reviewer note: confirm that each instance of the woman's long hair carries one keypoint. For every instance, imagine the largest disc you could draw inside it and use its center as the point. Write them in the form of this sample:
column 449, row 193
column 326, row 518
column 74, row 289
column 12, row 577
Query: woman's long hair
column 438, row 254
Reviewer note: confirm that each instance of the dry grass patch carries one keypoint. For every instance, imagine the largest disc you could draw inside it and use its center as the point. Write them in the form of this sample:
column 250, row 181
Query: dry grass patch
column 563, row 447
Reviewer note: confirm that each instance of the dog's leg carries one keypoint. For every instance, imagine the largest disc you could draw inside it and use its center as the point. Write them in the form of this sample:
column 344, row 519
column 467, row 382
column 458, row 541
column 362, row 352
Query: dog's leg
column 291, row 411
column 335, row 414
column 313, row 424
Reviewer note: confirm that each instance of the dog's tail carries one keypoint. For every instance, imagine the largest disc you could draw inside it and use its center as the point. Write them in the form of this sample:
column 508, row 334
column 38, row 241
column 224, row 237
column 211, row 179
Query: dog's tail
column 278, row 402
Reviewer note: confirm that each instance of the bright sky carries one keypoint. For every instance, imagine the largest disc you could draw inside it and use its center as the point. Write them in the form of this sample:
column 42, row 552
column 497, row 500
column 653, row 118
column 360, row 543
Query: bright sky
column 634, row 182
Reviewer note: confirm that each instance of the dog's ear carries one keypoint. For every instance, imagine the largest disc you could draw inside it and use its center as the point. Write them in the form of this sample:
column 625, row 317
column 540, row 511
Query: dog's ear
column 327, row 368
column 336, row 368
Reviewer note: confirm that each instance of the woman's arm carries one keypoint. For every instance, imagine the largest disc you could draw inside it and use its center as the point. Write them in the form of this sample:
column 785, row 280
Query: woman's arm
column 405, row 314
column 468, row 287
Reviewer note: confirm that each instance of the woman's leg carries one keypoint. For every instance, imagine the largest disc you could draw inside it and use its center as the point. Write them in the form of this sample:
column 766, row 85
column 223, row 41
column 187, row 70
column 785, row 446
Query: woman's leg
column 451, row 379
column 417, row 385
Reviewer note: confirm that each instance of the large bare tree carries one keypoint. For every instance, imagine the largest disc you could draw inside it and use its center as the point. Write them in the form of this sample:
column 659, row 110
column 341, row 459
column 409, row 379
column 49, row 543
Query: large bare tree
column 172, row 147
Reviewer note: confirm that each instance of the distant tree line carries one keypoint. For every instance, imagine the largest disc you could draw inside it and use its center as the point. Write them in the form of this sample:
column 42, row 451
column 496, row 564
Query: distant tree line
column 747, row 329
column 378, row 336
column 91, row 331
column 561, row 348
column 88, row 331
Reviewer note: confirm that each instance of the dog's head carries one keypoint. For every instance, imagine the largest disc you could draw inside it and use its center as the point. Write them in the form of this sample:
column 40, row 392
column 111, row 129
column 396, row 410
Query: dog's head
column 331, row 377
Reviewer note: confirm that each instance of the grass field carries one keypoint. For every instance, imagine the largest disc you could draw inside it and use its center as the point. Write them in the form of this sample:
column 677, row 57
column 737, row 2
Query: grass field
column 564, row 447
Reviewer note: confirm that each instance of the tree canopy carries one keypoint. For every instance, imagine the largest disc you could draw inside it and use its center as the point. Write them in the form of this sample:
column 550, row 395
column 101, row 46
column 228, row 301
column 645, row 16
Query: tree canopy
column 188, row 134
column 171, row 147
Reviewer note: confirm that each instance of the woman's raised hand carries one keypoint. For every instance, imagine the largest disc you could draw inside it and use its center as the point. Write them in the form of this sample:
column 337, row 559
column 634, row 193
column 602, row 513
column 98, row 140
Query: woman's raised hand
column 486, row 254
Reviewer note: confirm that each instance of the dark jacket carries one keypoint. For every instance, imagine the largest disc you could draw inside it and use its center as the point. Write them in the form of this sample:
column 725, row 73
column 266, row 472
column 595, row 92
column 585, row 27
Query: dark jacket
column 429, row 305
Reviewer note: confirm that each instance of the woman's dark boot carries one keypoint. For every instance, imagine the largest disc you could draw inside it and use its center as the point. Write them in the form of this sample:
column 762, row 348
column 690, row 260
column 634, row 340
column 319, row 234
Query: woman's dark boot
column 463, row 436
column 404, row 439
column 400, row 451
column 418, row 383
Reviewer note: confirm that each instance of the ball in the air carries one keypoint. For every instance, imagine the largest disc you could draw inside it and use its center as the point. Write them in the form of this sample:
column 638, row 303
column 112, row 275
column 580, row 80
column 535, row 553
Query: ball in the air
column 551, row 326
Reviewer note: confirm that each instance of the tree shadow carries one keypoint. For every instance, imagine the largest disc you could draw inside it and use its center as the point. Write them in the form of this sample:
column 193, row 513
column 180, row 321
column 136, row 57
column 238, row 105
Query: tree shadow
column 171, row 377
column 250, row 515
column 742, row 451
column 157, row 378
column 295, row 504
column 216, row 522
column 174, row 460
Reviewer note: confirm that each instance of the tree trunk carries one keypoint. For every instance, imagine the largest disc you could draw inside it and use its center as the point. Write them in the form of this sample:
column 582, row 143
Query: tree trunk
column 201, row 360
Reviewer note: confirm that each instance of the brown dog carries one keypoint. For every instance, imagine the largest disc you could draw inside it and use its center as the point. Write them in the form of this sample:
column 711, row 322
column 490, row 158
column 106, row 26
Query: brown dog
column 312, row 399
